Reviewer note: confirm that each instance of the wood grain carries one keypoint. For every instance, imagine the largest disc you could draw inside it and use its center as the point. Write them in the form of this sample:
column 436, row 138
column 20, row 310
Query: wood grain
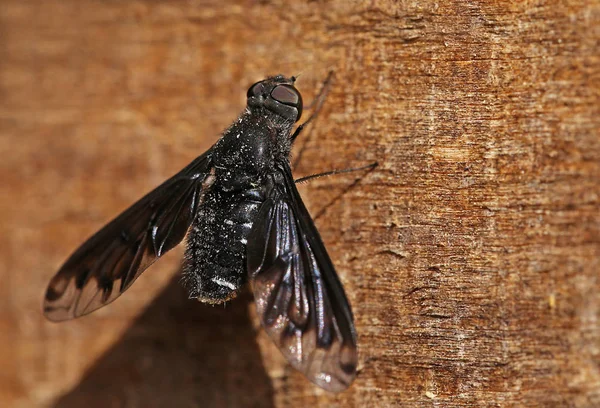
column 471, row 255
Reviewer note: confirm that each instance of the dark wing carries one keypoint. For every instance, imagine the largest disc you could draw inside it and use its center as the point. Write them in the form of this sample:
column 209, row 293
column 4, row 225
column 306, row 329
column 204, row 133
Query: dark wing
column 108, row 262
column 299, row 298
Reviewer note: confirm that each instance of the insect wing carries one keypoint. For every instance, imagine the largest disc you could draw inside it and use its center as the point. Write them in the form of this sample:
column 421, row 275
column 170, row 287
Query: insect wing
column 112, row 259
column 299, row 298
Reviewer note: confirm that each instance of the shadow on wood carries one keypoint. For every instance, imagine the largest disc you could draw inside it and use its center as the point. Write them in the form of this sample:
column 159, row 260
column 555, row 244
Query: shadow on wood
column 180, row 353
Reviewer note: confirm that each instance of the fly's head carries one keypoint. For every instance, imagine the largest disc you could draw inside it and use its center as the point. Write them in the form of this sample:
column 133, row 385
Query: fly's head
column 278, row 95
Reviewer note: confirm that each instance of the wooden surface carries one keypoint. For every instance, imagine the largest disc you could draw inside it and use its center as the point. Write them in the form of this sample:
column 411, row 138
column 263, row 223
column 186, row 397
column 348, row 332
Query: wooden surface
column 471, row 256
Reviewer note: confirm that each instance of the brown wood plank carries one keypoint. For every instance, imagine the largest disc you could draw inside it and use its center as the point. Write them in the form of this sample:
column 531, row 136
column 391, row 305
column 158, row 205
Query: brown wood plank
column 471, row 255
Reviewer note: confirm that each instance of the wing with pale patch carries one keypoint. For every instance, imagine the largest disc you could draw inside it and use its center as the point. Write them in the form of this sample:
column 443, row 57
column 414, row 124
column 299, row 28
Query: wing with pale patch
column 111, row 260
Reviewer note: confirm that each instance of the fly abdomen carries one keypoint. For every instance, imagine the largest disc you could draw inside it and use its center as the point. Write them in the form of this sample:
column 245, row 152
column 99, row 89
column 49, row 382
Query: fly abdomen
column 215, row 260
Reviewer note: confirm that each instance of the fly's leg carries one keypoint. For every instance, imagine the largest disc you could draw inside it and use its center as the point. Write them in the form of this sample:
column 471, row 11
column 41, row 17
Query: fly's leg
column 369, row 167
column 332, row 172
column 318, row 102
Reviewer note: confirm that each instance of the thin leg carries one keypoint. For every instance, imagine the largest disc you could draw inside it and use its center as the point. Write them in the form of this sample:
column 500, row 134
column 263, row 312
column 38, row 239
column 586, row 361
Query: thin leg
column 332, row 172
column 318, row 215
column 318, row 101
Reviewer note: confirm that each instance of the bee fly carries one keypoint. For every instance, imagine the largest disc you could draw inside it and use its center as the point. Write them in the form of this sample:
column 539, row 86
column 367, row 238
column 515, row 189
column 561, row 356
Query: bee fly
column 245, row 221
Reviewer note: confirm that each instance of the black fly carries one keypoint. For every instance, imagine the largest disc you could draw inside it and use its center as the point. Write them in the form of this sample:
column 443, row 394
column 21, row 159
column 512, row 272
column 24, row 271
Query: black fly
column 245, row 220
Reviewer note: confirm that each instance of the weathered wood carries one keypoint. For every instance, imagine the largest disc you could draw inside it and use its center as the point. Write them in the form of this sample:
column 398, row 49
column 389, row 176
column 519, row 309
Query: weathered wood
column 471, row 255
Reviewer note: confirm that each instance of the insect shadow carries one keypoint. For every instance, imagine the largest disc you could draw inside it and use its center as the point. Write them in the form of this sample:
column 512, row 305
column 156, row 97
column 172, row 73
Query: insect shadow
column 180, row 353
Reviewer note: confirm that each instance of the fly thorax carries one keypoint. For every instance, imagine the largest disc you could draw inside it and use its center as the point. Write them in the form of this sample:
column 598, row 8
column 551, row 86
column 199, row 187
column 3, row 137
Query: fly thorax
column 243, row 158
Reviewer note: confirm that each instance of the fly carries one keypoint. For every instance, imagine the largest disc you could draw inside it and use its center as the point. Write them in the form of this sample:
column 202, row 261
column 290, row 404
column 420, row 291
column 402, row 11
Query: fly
column 245, row 221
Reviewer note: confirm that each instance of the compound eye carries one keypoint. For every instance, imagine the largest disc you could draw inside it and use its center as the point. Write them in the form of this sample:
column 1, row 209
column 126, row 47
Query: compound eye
column 287, row 95
column 256, row 89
